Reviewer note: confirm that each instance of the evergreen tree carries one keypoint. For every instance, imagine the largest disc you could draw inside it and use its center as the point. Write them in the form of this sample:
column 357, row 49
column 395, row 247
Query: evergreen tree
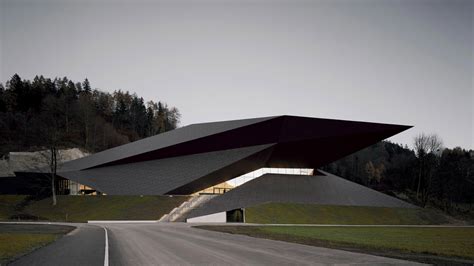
column 3, row 105
column 86, row 87
column 37, row 92
column 18, row 93
column 91, row 119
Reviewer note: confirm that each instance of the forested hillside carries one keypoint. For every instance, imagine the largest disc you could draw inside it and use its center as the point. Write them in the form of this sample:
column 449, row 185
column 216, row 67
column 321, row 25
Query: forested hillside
column 73, row 114
column 442, row 178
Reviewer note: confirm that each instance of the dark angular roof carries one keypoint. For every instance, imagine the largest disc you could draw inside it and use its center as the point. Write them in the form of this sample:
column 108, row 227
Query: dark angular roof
column 205, row 137
column 166, row 139
column 194, row 157
column 158, row 177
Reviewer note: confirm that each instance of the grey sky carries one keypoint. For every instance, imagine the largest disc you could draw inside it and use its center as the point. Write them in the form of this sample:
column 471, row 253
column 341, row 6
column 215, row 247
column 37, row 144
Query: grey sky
column 407, row 62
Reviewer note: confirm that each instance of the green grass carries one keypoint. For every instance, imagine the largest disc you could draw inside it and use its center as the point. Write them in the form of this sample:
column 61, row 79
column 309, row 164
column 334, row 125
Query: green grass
column 7, row 205
column 292, row 213
column 17, row 240
column 84, row 208
column 14, row 245
column 452, row 242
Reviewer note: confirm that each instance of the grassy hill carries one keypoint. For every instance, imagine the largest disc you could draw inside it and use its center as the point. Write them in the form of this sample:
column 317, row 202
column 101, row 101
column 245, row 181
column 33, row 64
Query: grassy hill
column 291, row 213
column 8, row 205
column 84, row 208
column 438, row 246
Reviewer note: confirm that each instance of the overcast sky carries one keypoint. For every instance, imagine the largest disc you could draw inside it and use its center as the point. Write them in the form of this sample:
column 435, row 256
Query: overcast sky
column 407, row 62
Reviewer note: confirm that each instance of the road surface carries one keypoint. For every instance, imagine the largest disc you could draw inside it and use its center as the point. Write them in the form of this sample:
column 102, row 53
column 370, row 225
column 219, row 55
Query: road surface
column 81, row 246
column 180, row 244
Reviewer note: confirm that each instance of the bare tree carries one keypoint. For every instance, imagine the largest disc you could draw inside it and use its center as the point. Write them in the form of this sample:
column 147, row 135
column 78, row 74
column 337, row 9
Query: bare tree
column 374, row 172
column 45, row 163
column 427, row 148
column 420, row 145
column 52, row 136
column 52, row 158
column 53, row 166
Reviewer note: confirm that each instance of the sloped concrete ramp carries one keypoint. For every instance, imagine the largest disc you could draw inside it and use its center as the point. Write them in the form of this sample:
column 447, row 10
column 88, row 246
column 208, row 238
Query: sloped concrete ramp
column 323, row 188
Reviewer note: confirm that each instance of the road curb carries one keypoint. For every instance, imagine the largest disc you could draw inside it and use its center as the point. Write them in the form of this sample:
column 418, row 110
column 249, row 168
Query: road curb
column 122, row 222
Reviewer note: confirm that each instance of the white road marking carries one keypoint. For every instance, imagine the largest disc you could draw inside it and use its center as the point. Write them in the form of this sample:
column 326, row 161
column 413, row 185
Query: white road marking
column 106, row 255
column 122, row 222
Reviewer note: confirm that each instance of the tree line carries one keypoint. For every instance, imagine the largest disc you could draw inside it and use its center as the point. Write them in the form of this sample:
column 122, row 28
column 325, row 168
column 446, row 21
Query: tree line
column 426, row 174
column 34, row 113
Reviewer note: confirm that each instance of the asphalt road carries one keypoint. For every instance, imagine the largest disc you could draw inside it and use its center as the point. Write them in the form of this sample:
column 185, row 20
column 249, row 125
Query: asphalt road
column 179, row 244
column 82, row 246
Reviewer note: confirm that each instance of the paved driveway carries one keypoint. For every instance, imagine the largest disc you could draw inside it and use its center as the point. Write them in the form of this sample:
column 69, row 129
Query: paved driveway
column 180, row 244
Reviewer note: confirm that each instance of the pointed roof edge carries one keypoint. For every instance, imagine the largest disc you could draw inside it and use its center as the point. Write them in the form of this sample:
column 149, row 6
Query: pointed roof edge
column 159, row 141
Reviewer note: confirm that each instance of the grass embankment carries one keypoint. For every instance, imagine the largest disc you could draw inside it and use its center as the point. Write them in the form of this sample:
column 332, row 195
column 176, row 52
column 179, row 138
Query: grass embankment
column 291, row 213
column 19, row 239
column 8, row 205
column 84, row 208
column 403, row 242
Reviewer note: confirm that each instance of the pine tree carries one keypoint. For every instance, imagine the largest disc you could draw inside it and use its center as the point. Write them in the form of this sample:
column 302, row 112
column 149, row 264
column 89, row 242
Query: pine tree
column 3, row 106
column 17, row 91
column 86, row 86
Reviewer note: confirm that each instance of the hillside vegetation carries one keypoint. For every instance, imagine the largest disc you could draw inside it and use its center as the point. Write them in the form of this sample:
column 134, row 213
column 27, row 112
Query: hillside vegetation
column 292, row 213
column 32, row 112
column 429, row 174
column 84, row 208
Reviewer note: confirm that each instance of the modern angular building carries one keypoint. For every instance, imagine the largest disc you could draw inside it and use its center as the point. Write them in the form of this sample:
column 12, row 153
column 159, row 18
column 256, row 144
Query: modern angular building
column 190, row 159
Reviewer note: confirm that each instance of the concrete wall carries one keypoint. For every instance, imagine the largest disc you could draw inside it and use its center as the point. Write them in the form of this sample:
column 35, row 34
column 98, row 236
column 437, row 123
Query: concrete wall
column 219, row 217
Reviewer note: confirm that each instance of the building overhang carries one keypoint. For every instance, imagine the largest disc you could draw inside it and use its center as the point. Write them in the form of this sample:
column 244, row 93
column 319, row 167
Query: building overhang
column 194, row 157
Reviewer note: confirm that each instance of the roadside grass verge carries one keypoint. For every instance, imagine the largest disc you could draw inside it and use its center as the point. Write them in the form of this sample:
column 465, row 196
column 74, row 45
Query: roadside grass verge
column 425, row 244
column 19, row 239
column 84, row 208
column 294, row 213
column 8, row 205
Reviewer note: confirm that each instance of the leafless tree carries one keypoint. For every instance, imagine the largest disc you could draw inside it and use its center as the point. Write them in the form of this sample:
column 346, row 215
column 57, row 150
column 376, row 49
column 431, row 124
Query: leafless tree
column 427, row 149
column 53, row 165
column 52, row 136
column 52, row 157
column 374, row 172
column 46, row 162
